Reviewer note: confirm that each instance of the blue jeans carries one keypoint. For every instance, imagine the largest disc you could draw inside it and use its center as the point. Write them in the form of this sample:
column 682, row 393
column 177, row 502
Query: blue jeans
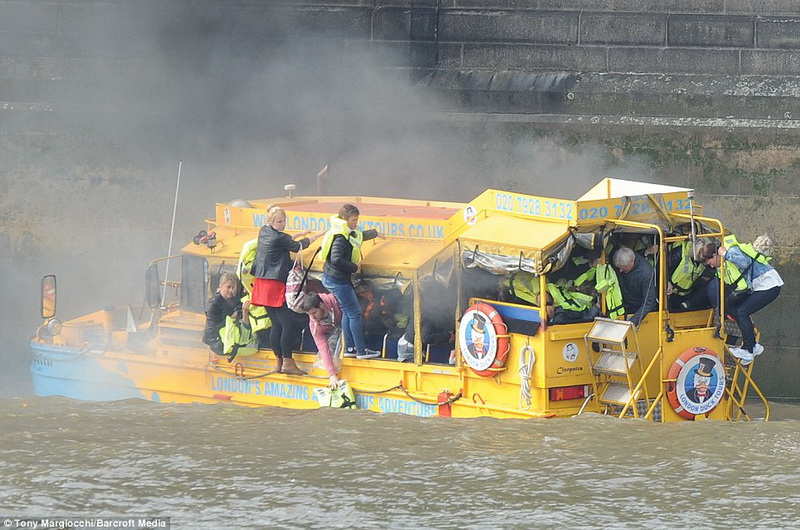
column 741, row 311
column 352, row 319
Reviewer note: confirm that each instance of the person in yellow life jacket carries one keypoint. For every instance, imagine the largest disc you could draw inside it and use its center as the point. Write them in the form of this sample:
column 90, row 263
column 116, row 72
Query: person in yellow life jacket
column 225, row 303
column 753, row 284
column 687, row 278
column 341, row 252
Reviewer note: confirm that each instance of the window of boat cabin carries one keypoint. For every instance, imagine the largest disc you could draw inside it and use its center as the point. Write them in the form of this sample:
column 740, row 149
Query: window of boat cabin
column 386, row 305
column 437, row 289
column 194, row 283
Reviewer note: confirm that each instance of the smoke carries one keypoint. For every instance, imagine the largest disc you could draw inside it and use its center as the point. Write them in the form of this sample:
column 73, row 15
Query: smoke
column 249, row 97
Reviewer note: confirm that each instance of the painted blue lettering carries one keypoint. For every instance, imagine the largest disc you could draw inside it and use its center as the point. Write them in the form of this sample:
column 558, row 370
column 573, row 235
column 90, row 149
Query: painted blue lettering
column 365, row 402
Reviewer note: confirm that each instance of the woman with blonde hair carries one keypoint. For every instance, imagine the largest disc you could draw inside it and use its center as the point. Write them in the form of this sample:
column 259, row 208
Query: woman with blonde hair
column 270, row 270
column 758, row 284
column 224, row 303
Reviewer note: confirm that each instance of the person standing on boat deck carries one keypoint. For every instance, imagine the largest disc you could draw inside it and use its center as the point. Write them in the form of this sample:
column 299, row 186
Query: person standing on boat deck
column 341, row 250
column 325, row 323
column 637, row 284
column 224, row 303
column 762, row 285
column 271, row 270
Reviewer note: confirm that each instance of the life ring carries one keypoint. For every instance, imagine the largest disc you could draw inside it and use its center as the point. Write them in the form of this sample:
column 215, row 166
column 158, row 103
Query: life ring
column 696, row 382
column 484, row 347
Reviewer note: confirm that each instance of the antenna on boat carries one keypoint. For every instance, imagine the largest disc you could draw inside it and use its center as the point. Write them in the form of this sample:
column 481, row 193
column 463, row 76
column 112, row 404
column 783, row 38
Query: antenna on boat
column 322, row 176
column 171, row 233
column 690, row 196
column 289, row 188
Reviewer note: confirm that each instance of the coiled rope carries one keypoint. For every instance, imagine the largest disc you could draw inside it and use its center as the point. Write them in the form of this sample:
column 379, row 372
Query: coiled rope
column 527, row 358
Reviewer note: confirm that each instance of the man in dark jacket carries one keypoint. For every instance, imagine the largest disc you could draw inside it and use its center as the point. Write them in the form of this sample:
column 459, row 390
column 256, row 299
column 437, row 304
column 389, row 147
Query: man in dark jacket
column 637, row 283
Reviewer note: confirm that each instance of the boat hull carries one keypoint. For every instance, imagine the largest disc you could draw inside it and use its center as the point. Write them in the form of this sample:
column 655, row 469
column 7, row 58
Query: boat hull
column 96, row 375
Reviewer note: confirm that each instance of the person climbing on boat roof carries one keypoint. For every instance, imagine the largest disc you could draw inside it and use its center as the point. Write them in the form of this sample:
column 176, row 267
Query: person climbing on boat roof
column 271, row 270
column 341, row 251
column 224, row 303
column 748, row 271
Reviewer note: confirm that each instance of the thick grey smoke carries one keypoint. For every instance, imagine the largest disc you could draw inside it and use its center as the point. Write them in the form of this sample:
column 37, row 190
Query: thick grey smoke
column 248, row 104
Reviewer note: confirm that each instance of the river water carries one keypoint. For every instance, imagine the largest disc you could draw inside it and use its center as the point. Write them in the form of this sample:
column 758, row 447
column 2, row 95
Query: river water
column 224, row 466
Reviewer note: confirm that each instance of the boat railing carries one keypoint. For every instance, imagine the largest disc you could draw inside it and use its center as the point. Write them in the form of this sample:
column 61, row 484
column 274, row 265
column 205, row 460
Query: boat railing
column 652, row 404
column 155, row 288
column 740, row 384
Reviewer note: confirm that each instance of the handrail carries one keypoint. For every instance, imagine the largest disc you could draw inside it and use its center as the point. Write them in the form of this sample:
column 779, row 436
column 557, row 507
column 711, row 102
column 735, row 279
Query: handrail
column 637, row 388
column 648, row 415
column 745, row 372
column 156, row 260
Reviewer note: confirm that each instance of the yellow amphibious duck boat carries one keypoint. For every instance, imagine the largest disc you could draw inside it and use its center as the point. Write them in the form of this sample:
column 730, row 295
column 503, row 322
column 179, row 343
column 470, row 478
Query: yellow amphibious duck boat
column 479, row 268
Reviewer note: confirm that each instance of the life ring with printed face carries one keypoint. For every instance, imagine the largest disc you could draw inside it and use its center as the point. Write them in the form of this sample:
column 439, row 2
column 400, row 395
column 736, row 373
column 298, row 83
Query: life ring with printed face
column 696, row 382
column 483, row 337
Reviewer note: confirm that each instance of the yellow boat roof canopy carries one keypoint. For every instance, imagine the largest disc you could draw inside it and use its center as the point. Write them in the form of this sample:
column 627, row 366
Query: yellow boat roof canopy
column 511, row 231
column 609, row 188
column 506, row 243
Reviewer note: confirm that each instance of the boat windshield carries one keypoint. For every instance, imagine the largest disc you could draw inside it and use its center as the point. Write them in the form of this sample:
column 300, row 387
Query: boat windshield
column 195, row 283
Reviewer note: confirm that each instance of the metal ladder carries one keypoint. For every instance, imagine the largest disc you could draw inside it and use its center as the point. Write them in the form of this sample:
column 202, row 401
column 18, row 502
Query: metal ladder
column 617, row 369
column 739, row 381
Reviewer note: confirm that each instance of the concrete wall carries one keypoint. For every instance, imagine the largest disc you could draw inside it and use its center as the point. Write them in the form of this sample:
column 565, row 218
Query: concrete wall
column 697, row 93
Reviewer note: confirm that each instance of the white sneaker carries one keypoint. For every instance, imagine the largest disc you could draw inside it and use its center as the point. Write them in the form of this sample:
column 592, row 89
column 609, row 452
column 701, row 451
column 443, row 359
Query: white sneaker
column 350, row 353
column 368, row 354
column 744, row 356
column 758, row 349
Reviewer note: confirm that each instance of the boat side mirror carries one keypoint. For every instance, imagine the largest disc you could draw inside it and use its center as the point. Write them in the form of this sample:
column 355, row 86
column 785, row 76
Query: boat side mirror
column 152, row 286
column 48, row 296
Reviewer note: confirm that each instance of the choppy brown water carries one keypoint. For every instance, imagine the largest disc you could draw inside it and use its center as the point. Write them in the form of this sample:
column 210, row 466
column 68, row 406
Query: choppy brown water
column 231, row 467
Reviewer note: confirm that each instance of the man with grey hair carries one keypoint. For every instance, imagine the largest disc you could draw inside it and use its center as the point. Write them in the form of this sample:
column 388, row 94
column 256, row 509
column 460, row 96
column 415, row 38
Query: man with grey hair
column 637, row 283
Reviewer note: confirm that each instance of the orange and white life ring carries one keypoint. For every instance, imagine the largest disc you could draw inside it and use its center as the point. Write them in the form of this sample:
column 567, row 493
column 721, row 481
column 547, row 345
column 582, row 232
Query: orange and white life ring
column 483, row 337
column 696, row 382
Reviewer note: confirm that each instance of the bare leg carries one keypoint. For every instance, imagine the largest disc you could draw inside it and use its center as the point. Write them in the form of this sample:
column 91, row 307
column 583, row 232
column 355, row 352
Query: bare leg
column 290, row 367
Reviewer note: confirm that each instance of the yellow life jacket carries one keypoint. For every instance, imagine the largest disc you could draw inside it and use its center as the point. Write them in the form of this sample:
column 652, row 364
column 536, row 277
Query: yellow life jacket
column 246, row 258
column 587, row 276
column 339, row 228
column 258, row 317
column 570, row 300
column 237, row 339
column 734, row 277
column 687, row 271
column 580, row 260
column 524, row 286
column 608, row 283
column 731, row 241
column 341, row 397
